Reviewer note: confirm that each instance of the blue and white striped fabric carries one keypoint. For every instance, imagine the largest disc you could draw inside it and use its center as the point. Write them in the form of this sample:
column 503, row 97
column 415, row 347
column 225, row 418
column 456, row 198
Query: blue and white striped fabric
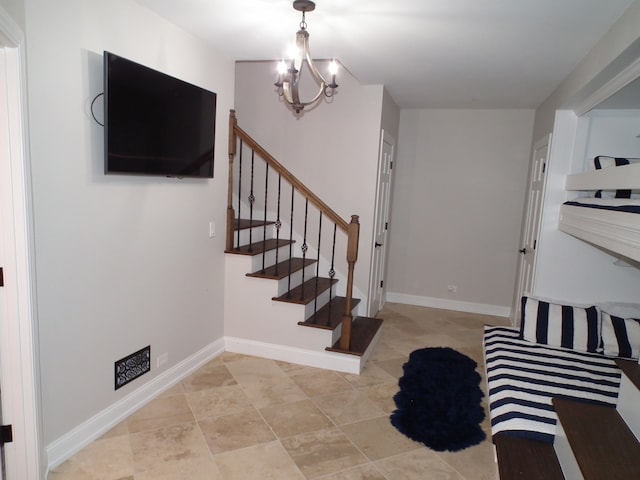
column 523, row 377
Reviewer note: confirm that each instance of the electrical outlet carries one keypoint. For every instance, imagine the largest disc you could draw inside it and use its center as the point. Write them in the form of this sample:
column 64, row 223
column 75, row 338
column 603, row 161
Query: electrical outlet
column 452, row 288
column 162, row 359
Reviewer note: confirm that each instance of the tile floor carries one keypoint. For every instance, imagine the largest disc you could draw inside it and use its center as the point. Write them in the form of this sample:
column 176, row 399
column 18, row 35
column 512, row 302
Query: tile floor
column 246, row 418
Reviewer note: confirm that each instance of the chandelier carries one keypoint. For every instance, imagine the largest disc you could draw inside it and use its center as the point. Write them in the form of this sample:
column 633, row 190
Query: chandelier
column 289, row 72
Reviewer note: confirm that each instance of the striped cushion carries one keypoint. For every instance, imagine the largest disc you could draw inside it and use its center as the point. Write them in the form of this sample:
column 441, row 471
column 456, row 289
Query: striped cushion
column 602, row 161
column 556, row 325
column 620, row 336
column 523, row 377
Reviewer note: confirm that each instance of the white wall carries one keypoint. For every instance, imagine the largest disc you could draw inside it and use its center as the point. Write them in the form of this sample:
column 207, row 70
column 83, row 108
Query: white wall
column 460, row 180
column 122, row 261
column 332, row 148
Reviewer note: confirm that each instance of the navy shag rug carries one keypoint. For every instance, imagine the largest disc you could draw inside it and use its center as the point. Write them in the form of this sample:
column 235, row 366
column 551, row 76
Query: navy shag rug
column 439, row 402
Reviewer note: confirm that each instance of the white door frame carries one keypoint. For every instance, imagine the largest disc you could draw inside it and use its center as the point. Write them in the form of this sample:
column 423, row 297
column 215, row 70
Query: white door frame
column 526, row 273
column 379, row 252
column 19, row 370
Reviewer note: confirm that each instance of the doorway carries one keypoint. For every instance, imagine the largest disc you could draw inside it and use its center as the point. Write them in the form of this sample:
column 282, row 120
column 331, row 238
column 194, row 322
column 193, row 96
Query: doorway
column 377, row 287
column 533, row 215
column 18, row 361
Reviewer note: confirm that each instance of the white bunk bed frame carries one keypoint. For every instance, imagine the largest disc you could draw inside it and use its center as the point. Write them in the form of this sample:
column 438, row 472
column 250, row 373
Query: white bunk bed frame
column 617, row 232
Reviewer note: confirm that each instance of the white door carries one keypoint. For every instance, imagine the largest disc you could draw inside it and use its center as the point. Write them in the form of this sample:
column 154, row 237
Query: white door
column 529, row 240
column 381, row 224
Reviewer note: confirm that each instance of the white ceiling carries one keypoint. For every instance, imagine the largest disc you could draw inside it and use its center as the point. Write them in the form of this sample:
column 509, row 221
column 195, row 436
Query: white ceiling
column 428, row 53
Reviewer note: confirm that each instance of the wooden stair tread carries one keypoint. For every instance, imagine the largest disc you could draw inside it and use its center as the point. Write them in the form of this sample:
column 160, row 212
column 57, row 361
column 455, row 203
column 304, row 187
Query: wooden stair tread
column 257, row 248
column 330, row 315
column 525, row 459
column 305, row 293
column 363, row 330
column 602, row 443
column 631, row 369
column 282, row 269
column 244, row 223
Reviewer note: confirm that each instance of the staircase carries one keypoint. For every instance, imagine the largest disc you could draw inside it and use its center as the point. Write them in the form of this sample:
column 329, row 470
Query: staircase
column 592, row 442
column 289, row 295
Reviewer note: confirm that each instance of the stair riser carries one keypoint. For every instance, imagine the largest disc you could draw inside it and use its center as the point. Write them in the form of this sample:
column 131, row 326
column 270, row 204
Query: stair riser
column 254, row 234
column 270, row 258
column 565, row 455
column 321, row 301
column 296, row 279
column 628, row 402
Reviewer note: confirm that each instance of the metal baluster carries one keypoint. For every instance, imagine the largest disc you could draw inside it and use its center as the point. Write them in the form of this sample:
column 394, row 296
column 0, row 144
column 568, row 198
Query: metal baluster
column 290, row 243
column 252, row 199
column 239, row 195
column 304, row 247
column 264, row 226
column 332, row 272
column 278, row 224
column 315, row 300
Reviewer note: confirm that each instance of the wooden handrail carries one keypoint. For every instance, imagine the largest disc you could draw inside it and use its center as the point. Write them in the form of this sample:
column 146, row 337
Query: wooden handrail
column 351, row 229
column 292, row 179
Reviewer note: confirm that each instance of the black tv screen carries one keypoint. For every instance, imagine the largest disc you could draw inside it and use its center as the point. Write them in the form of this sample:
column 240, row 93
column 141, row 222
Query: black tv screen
column 156, row 124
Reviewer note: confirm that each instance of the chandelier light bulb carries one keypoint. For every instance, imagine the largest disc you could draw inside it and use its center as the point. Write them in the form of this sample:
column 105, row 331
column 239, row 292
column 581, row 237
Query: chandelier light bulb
column 333, row 67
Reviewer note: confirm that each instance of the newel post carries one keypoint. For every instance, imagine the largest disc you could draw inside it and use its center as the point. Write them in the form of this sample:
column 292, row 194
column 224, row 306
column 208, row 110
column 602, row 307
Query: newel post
column 233, row 122
column 353, row 237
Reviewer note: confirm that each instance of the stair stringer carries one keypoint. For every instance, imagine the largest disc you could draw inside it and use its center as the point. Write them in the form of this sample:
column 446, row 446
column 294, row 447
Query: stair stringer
column 254, row 324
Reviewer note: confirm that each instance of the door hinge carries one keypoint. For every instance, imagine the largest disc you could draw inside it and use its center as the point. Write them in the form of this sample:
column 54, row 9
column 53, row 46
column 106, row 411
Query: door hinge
column 390, row 165
column 381, row 283
column 1, row 277
column 544, row 167
column 535, row 242
column 6, row 434
column 386, row 225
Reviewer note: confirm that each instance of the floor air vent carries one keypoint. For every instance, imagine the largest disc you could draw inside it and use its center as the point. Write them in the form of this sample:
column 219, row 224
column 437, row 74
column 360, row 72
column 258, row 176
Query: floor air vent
column 132, row 366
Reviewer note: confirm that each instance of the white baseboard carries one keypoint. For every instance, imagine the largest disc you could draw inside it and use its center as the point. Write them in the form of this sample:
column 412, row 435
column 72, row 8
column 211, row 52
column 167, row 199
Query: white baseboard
column 470, row 307
column 327, row 360
column 64, row 447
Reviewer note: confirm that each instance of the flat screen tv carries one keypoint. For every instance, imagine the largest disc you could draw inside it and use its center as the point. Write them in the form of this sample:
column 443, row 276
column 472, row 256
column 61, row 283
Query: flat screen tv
column 156, row 124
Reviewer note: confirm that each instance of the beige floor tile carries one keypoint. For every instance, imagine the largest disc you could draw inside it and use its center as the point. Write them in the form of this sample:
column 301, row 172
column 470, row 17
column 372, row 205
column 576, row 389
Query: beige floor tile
column 420, row 464
column 217, row 402
column 394, row 366
column 239, row 430
column 348, row 407
column 362, row 472
column 323, row 452
column 323, row 382
column 269, row 461
column 377, row 438
column 371, row 374
column 473, row 463
column 384, row 351
column 249, row 370
column 294, row 369
column 209, row 376
column 295, row 418
column 382, row 395
column 273, row 391
column 161, row 412
column 105, row 459
column 170, row 453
